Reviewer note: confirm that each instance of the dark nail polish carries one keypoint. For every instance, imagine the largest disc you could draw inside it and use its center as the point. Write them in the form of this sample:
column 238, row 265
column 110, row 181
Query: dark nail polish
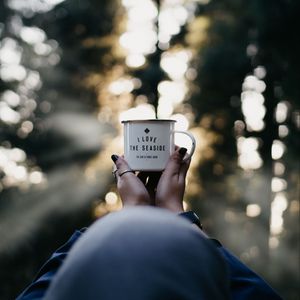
column 114, row 157
column 182, row 151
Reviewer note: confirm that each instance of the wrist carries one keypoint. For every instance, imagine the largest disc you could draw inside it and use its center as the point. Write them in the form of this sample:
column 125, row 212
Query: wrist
column 172, row 206
column 135, row 200
column 191, row 217
column 176, row 210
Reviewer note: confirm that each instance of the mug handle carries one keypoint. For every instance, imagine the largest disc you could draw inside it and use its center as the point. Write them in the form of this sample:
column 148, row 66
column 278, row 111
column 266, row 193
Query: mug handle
column 189, row 155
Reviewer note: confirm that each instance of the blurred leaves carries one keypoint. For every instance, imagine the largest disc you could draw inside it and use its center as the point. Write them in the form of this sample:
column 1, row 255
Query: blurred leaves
column 49, row 128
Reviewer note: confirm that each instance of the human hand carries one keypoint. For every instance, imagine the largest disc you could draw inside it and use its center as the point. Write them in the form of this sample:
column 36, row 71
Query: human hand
column 131, row 189
column 171, row 186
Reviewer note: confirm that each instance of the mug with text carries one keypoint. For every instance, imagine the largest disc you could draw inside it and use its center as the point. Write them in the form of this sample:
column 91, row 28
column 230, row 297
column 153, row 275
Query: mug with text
column 149, row 143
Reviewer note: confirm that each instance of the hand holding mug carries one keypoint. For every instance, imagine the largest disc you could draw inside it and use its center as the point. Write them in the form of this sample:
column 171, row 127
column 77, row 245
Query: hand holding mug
column 131, row 189
column 171, row 186
column 165, row 191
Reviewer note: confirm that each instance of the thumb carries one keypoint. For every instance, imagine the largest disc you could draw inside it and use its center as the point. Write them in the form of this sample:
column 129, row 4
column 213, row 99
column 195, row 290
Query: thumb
column 175, row 160
column 183, row 170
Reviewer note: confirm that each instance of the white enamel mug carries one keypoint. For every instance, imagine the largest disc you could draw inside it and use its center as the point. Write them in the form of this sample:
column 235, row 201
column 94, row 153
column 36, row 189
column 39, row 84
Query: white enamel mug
column 148, row 144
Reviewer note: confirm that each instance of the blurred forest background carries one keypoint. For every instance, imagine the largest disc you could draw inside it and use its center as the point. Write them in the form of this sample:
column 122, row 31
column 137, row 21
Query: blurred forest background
column 227, row 70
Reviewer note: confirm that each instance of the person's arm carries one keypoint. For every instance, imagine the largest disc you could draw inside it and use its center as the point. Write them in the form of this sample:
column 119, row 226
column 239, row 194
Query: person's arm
column 245, row 284
column 132, row 191
column 39, row 286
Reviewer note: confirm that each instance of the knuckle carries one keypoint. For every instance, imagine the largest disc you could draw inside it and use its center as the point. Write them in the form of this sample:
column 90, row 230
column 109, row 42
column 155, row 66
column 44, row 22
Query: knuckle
column 176, row 157
column 119, row 163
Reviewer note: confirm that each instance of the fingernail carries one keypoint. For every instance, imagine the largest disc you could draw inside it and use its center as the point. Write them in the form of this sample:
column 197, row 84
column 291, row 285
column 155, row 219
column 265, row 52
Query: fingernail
column 182, row 151
column 114, row 157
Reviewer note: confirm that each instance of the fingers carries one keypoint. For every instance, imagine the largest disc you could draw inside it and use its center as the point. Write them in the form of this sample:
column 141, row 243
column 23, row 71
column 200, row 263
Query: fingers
column 131, row 189
column 183, row 170
column 174, row 164
column 121, row 165
column 120, row 162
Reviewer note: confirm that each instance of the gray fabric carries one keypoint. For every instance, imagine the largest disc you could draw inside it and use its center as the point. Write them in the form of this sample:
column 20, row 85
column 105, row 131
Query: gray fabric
column 141, row 253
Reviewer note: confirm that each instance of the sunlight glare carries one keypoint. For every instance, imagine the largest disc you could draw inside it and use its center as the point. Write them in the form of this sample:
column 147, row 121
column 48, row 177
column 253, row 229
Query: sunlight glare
column 278, row 149
column 276, row 225
column 253, row 103
column 142, row 111
column 142, row 11
column 280, row 202
column 139, row 41
column 42, row 49
column 135, row 60
column 173, row 90
column 20, row 173
column 29, row 7
column 32, row 35
column 33, row 80
column 175, row 63
column 168, row 25
column 121, row 86
column 278, row 206
column 36, row 177
column 279, row 168
column 253, row 110
column 53, row 59
column 27, row 127
column 111, row 198
column 164, row 39
column 10, row 52
column 182, row 123
column 253, row 97
column 12, row 72
column 8, row 115
column 249, row 158
column 171, row 18
column 281, row 112
column 273, row 242
column 278, row 184
column 248, row 144
column 250, row 161
column 16, row 154
column 11, row 98
column 253, row 210
column 260, row 72
column 283, row 131
column 165, row 107
column 252, row 83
